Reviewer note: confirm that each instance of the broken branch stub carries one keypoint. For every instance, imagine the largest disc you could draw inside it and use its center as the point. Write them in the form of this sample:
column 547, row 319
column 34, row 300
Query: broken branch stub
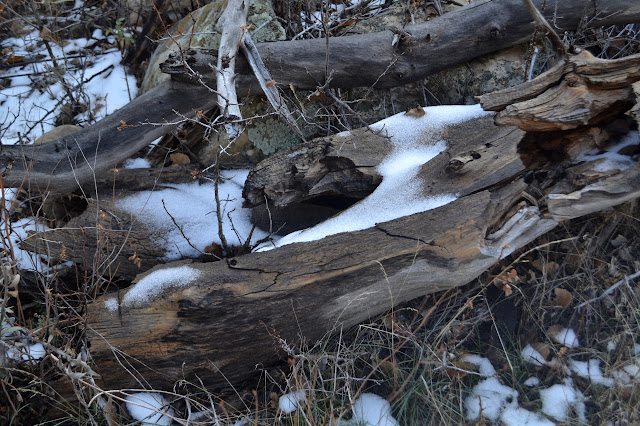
column 232, row 25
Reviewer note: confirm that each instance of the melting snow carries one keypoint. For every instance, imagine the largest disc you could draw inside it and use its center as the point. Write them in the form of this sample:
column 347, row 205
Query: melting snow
column 590, row 370
column 194, row 209
column 136, row 163
column 372, row 410
column 532, row 356
column 153, row 284
column 100, row 76
column 611, row 160
column 558, row 399
column 27, row 353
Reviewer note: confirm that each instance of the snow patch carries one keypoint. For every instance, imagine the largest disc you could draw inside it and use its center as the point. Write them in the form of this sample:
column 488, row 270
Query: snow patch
column 193, row 208
column 558, row 399
column 372, row 410
column 489, row 399
column 532, row 356
column 136, row 163
column 610, row 159
column 567, row 337
column 153, row 284
column 150, row 408
column 590, row 370
column 484, row 365
column 290, row 402
column 29, row 353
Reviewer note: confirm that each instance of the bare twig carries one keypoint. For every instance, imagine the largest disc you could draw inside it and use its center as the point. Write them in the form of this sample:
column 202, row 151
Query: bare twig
column 556, row 41
column 610, row 290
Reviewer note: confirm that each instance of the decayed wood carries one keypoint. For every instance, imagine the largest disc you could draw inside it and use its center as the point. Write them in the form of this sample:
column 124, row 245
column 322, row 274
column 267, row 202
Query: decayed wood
column 355, row 61
column 339, row 167
column 226, row 322
column 344, row 165
column 232, row 25
column 614, row 190
column 579, row 91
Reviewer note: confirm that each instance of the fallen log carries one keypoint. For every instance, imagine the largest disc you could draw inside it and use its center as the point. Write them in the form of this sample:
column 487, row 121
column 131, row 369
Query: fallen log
column 354, row 61
column 371, row 60
column 260, row 304
column 240, row 313
column 217, row 321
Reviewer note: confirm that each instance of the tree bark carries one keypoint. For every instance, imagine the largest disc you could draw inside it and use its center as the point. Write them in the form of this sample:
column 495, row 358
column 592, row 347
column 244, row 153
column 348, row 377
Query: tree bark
column 355, row 61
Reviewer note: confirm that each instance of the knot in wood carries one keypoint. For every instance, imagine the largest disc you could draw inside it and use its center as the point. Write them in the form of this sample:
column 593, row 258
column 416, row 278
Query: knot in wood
column 574, row 80
column 496, row 32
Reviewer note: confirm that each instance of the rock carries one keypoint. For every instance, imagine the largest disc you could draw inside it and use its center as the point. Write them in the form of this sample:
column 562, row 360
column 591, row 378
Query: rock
column 58, row 132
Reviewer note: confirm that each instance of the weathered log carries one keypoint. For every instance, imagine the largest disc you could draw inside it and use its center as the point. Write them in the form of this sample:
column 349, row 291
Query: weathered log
column 79, row 159
column 334, row 169
column 578, row 91
column 343, row 167
column 231, row 25
column 105, row 239
column 239, row 313
column 248, row 306
column 355, row 61
column 370, row 60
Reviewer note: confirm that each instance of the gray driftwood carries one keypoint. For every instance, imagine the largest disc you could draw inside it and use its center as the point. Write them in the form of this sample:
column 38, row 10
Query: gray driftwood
column 362, row 60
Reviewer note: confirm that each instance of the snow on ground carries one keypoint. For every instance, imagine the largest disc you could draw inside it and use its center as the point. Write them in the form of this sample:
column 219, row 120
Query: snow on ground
column 493, row 400
column 558, row 399
column 415, row 142
column 136, row 163
column 150, row 408
column 290, row 402
column 154, row 284
column 368, row 409
column 372, row 410
column 18, row 232
column 33, row 94
column 567, row 337
column 28, row 352
column 193, row 207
